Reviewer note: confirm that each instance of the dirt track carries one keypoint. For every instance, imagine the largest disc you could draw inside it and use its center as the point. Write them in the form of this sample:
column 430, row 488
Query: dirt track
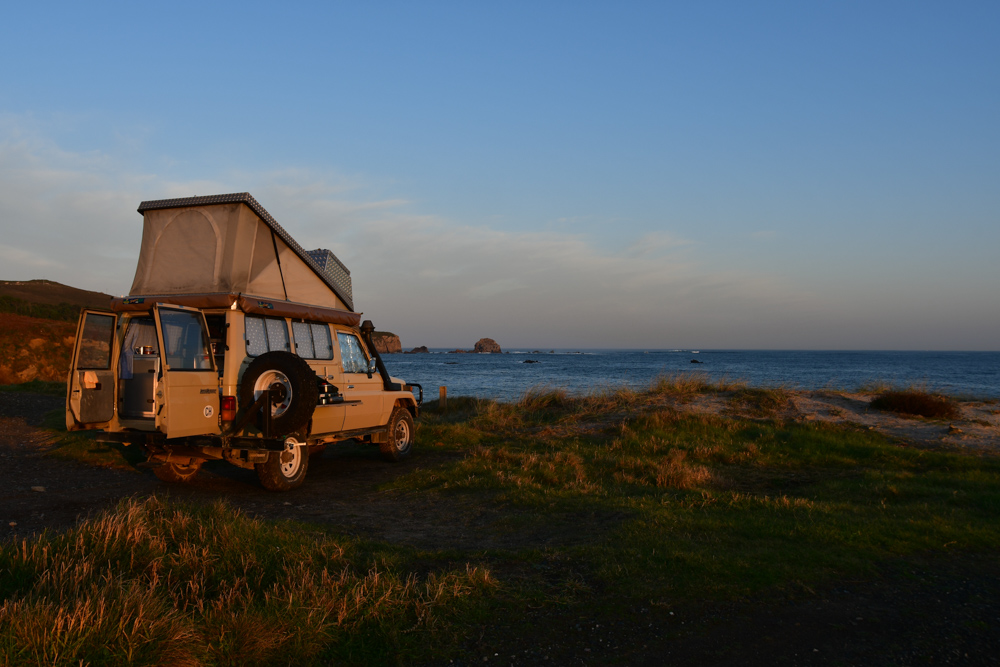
column 945, row 611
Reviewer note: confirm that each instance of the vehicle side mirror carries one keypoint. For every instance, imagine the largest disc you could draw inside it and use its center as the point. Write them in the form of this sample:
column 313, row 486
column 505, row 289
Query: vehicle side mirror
column 371, row 366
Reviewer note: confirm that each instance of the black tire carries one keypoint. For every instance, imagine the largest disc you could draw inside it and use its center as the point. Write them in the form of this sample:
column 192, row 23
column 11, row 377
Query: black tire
column 399, row 439
column 297, row 385
column 278, row 475
column 176, row 473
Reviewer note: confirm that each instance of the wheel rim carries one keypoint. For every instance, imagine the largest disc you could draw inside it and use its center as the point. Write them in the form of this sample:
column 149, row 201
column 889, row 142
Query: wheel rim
column 268, row 380
column 401, row 435
column 291, row 468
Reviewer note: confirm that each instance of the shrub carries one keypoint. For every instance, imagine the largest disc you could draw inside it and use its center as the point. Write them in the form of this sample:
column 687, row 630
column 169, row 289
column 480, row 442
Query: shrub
column 919, row 403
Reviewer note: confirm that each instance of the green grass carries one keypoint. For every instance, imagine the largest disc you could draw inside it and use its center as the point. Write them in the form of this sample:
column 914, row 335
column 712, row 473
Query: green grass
column 36, row 387
column 710, row 506
column 602, row 504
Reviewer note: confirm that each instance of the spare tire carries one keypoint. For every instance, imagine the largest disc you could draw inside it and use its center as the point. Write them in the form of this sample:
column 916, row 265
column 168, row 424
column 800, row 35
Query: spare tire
column 295, row 390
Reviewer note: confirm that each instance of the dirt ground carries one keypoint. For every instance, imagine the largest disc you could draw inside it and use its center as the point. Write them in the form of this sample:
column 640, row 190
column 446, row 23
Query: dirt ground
column 943, row 611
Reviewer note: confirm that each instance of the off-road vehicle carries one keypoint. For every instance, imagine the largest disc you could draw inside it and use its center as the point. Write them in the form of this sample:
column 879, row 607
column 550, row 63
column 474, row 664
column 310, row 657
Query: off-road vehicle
column 234, row 343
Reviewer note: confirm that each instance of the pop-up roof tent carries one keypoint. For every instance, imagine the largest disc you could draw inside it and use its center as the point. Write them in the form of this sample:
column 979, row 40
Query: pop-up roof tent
column 218, row 250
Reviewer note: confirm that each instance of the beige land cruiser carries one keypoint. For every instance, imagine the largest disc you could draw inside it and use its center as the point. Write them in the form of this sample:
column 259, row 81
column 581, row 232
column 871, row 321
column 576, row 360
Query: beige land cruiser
column 237, row 344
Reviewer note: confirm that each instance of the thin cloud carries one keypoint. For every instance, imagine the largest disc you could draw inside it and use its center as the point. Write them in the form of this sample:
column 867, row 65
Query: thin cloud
column 434, row 281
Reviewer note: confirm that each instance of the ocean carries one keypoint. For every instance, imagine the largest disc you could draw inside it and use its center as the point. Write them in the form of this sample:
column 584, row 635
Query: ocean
column 508, row 376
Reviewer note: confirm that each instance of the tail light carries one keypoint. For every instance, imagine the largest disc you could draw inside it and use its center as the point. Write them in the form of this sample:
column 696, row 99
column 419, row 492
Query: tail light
column 228, row 411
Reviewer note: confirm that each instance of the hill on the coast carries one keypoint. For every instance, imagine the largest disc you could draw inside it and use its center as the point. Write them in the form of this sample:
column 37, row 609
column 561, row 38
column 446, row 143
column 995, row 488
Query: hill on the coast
column 47, row 299
column 37, row 325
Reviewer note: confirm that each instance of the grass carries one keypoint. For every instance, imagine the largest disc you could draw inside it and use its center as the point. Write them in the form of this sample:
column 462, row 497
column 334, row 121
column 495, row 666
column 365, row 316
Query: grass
column 917, row 403
column 81, row 446
column 708, row 505
column 36, row 387
column 759, row 402
column 153, row 582
column 600, row 505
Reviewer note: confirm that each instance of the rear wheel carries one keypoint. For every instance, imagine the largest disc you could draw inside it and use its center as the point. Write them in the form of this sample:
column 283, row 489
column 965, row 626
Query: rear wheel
column 399, row 440
column 285, row 470
column 294, row 390
column 174, row 472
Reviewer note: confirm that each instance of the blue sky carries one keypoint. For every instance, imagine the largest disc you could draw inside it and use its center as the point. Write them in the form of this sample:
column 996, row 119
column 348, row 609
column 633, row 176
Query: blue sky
column 658, row 175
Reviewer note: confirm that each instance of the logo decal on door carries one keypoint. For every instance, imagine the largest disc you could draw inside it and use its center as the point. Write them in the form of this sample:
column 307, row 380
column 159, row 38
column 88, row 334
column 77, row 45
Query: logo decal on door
column 209, row 411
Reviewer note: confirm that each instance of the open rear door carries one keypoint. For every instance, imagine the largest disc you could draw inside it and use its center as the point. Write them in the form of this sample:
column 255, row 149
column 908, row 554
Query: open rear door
column 188, row 394
column 90, row 401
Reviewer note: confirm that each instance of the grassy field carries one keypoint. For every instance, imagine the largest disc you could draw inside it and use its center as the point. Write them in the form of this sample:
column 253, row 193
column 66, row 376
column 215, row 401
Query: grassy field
column 601, row 505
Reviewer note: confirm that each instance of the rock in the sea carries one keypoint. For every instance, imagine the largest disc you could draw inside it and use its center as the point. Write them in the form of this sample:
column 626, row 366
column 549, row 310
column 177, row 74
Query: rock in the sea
column 419, row 350
column 386, row 342
column 487, row 346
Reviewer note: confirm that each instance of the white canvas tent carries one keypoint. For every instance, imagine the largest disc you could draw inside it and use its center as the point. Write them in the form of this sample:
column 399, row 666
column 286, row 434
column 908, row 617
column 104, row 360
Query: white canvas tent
column 228, row 244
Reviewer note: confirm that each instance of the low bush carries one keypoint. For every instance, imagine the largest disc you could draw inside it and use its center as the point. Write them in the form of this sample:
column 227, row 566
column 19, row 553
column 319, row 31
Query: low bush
column 918, row 403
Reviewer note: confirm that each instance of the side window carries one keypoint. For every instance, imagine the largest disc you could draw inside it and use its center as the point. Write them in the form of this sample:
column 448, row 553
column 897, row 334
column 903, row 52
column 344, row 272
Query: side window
column 312, row 340
column 303, row 340
column 277, row 335
column 352, row 355
column 321, row 340
column 184, row 338
column 265, row 335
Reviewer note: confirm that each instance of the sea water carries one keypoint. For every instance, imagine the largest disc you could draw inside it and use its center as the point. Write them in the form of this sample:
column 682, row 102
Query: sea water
column 508, row 376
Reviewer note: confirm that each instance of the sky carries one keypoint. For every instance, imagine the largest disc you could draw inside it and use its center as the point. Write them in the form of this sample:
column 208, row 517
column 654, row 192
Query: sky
column 658, row 175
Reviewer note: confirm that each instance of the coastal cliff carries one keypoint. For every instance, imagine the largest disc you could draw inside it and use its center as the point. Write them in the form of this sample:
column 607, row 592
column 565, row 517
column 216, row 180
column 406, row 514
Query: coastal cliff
column 386, row 342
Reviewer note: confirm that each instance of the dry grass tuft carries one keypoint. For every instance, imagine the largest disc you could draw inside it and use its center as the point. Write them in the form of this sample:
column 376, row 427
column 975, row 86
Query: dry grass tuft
column 153, row 583
column 688, row 385
column 543, row 398
column 759, row 403
column 918, row 403
column 673, row 472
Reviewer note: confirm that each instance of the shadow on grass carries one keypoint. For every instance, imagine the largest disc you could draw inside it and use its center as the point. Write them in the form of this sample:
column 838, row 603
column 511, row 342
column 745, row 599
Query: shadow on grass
column 82, row 446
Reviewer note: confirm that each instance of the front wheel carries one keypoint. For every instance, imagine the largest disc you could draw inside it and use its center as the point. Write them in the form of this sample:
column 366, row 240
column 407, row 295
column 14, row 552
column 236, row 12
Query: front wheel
column 285, row 470
column 399, row 440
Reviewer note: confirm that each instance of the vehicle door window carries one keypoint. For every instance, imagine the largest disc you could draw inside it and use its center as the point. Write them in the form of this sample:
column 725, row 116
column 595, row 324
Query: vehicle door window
column 95, row 342
column 185, row 342
column 352, row 355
